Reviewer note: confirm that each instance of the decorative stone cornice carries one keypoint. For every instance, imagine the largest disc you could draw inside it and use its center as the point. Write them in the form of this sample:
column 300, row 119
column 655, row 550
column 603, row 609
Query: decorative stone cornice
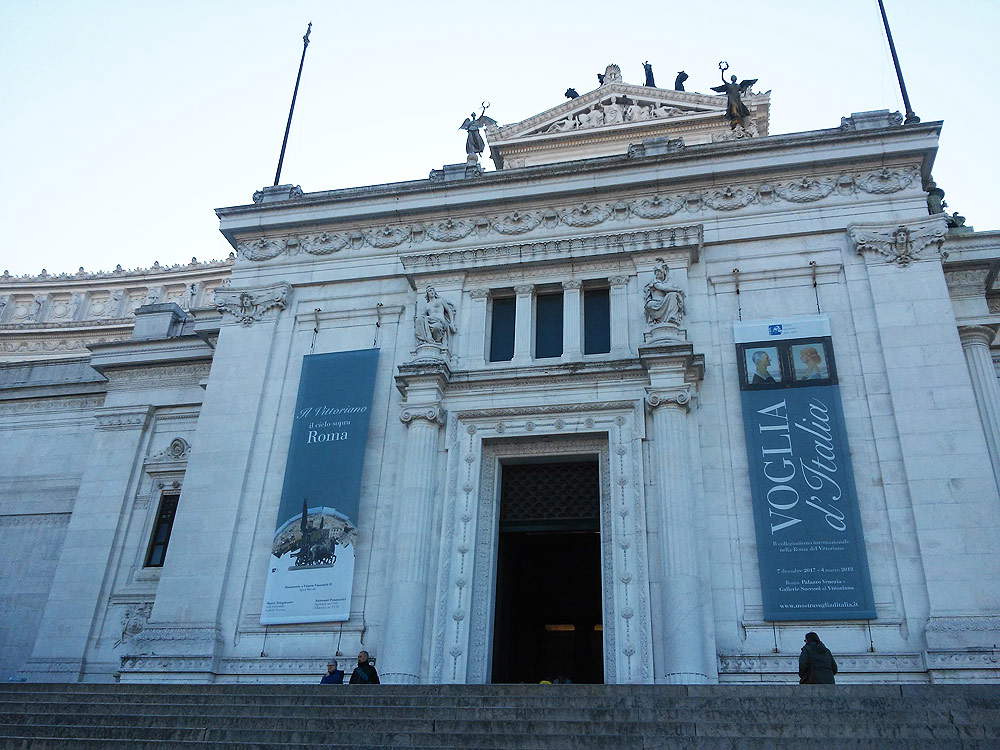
column 677, row 397
column 250, row 305
column 432, row 413
column 901, row 244
column 650, row 207
column 156, row 270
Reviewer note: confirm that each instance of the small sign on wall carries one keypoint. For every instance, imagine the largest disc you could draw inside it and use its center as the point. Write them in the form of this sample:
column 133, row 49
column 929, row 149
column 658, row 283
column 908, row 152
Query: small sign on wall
column 810, row 545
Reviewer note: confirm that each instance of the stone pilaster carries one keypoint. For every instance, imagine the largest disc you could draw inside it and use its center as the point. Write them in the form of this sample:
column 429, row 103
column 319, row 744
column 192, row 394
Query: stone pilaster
column 77, row 588
column 522, row 324
column 976, row 341
column 475, row 324
column 572, row 320
column 619, row 315
column 402, row 650
column 687, row 647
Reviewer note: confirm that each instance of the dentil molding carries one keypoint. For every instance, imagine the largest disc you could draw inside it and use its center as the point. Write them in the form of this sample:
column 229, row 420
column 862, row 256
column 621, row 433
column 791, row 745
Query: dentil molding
column 653, row 207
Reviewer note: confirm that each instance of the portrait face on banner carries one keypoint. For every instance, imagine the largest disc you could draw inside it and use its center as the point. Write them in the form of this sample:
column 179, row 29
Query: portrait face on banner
column 809, row 361
column 763, row 365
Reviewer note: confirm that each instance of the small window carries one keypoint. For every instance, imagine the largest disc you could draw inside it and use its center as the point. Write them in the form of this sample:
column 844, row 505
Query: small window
column 502, row 330
column 161, row 530
column 548, row 325
column 596, row 321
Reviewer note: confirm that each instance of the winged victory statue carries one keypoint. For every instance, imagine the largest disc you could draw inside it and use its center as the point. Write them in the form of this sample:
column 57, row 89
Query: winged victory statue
column 474, row 144
column 736, row 110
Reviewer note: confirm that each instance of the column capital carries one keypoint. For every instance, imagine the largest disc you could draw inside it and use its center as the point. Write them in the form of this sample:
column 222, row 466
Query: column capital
column 572, row 284
column 618, row 280
column 524, row 288
column 900, row 243
column 678, row 397
column 247, row 306
column 433, row 413
column 479, row 293
column 977, row 334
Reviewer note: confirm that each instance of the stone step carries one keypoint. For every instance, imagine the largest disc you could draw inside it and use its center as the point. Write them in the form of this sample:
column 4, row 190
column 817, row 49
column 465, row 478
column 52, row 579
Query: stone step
column 985, row 698
column 408, row 718
column 703, row 743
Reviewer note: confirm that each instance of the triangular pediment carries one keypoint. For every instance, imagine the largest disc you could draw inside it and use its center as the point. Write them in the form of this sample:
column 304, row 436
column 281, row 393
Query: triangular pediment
column 610, row 105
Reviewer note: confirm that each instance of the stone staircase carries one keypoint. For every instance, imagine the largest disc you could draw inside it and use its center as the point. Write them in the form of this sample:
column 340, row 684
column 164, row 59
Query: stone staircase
column 542, row 717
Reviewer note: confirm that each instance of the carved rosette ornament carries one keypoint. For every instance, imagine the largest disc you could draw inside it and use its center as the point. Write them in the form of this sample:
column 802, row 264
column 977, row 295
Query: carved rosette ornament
column 901, row 244
column 679, row 398
column 250, row 305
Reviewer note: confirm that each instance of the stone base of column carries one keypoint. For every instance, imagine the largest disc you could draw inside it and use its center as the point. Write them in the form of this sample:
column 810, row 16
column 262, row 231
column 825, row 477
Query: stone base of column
column 683, row 628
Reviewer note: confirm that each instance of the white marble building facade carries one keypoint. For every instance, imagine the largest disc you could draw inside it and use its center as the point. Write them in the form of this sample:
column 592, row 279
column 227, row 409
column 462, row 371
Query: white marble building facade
column 196, row 399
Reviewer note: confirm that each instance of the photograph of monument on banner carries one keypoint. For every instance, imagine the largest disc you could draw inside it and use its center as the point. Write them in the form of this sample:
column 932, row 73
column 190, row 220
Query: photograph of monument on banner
column 810, row 544
column 311, row 568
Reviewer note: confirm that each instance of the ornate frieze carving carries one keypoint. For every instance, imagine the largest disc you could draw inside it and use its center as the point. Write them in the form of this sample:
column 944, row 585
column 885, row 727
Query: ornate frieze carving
column 967, row 282
column 901, row 244
column 249, row 305
column 157, row 376
column 642, row 239
column 592, row 213
column 125, row 418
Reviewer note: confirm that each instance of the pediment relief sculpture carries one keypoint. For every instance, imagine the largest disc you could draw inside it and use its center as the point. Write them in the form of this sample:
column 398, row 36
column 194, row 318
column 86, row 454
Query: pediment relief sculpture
column 616, row 110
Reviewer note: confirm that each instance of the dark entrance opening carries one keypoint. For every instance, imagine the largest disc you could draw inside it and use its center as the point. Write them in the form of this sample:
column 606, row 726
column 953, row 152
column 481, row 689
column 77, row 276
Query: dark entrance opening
column 547, row 624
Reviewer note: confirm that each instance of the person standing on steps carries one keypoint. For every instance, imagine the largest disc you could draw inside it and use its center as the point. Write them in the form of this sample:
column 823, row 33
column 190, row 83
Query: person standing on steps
column 816, row 664
column 364, row 673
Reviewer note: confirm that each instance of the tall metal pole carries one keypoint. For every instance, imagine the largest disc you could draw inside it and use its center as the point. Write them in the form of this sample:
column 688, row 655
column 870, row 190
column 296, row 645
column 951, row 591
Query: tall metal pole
column 911, row 116
column 291, row 109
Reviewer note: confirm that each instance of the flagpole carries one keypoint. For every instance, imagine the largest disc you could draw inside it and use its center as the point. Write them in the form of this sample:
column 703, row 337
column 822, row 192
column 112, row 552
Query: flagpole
column 291, row 109
column 911, row 116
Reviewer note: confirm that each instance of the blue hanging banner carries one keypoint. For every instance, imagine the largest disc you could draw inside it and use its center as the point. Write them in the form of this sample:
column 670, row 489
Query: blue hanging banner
column 311, row 568
column 810, row 545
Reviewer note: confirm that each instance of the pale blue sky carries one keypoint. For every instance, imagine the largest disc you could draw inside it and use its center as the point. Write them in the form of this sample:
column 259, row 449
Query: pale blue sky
column 125, row 123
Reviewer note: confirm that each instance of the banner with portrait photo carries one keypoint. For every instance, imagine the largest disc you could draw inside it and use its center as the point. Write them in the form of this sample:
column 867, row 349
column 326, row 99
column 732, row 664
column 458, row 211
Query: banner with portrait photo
column 311, row 568
column 810, row 545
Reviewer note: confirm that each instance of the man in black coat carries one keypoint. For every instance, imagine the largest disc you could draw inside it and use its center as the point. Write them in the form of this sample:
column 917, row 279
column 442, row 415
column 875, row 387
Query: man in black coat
column 364, row 673
column 816, row 664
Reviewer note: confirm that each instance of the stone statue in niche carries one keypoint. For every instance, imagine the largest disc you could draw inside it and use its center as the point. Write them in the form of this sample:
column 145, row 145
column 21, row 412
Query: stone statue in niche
column 736, row 111
column 663, row 305
column 434, row 324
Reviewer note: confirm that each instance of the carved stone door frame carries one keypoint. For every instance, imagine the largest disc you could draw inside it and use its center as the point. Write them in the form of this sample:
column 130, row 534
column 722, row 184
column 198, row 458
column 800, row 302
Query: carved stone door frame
column 461, row 648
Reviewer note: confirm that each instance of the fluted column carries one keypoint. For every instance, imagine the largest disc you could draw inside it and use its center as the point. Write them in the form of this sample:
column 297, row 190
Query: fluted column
column 572, row 320
column 522, row 324
column 685, row 644
column 410, row 568
column 619, row 315
column 976, row 341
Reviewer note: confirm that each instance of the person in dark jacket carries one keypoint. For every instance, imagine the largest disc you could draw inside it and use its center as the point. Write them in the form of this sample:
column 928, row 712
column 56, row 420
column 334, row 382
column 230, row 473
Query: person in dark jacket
column 816, row 664
column 364, row 673
column 333, row 675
